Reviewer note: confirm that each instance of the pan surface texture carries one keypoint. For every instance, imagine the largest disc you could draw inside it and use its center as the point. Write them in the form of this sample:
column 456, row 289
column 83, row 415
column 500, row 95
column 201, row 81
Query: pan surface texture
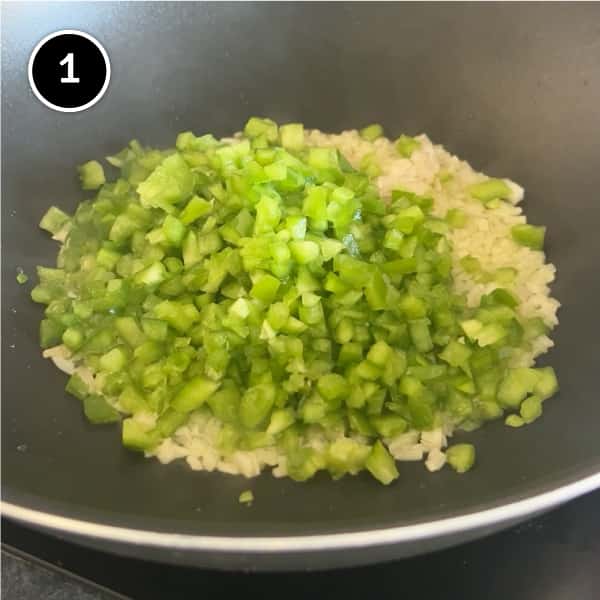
column 512, row 88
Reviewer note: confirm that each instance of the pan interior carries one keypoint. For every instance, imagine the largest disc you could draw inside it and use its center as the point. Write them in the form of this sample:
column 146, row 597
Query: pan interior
column 512, row 89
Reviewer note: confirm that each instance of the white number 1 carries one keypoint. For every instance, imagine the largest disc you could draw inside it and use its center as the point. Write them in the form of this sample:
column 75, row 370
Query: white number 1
column 70, row 62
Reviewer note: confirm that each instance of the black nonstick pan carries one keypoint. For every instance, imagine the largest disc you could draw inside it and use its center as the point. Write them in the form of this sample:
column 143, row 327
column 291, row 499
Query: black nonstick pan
column 513, row 88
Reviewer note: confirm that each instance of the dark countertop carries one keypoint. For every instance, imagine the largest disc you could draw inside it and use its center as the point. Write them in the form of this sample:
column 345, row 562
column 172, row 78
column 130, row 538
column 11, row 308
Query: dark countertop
column 553, row 557
column 24, row 578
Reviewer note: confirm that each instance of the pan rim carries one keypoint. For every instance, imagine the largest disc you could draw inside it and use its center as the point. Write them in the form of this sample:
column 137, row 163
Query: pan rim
column 307, row 543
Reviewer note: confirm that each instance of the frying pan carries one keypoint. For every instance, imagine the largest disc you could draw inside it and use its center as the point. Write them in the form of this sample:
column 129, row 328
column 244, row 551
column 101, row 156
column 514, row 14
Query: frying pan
column 512, row 88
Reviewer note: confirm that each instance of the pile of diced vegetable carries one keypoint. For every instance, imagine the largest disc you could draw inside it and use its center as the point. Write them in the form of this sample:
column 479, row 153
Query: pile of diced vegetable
column 266, row 280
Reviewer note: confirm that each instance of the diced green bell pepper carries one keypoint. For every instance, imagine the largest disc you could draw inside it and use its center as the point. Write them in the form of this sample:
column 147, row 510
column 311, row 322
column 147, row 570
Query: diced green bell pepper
column 371, row 132
column 529, row 235
column 91, row 174
column 97, row 410
column 461, row 457
column 406, row 145
column 490, row 190
column 194, row 393
column 381, row 465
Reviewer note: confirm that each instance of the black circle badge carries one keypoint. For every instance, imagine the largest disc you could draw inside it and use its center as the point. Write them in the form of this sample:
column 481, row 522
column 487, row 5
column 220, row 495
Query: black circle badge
column 69, row 70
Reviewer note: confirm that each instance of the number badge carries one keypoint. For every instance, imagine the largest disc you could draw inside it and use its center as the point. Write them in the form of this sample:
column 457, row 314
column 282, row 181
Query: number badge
column 69, row 70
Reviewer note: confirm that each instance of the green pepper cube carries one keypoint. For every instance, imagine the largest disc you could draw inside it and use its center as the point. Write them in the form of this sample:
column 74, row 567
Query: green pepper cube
column 406, row 145
column 170, row 421
column 421, row 413
column 294, row 326
column 380, row 354
column 100, row 342
column 54, row 220
column 346, row 455
column 461, row 457
column 461, row 406
column 456, row 218
column 292, row 136
column 107, row 258
column 91, row 175
column 408, row 218
column 400, row 266
column 41, row 294
column 122, row 229
column 151, row 276
column 529, row 235
column 342, row 207
column 323, row 158
column 395, row 367
column 330, row 248
column 77, row 387
column 490, row 334
column 225, row 404
column 456, row 354
column 371, row 132
column 353, row 271
column 173, row 230
column 393, row 240
column 21, row 277
column 315, row 203
column 344, row 331
column 531, row 409
column 170, row 183
column 148, row 352
column 98, row 411
column 514, row 421
column 515, row 386
column 304, row 251
column 114, row 360
column 195, row 209
column 332, row 386
column 281, row 419
column 179, row 315
column 268, row 215
column 388, row 426
column 129, row 331
column 376, row 292
column 350, row 352
column 155, row 329
column 256, row 127
column 381, row 464
column 296, row 225
column 190, row 250
column 410, row 386
column 240, row 308
column 265, row 288
column 505, row 275
column 256, row 404
column 246, row 497
column 277, row 315
column 490, row 410
column 313, row 409
column 470, row 264
column 360, row 423
column 131, row 400
column 194, row 393
column 471, row 327
column 137, row 437
column 335, row 285
column 413, row 307
column 503, row 296
column 420, row 334
column 369, row 371
column 490, row 189
column 72, row 338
